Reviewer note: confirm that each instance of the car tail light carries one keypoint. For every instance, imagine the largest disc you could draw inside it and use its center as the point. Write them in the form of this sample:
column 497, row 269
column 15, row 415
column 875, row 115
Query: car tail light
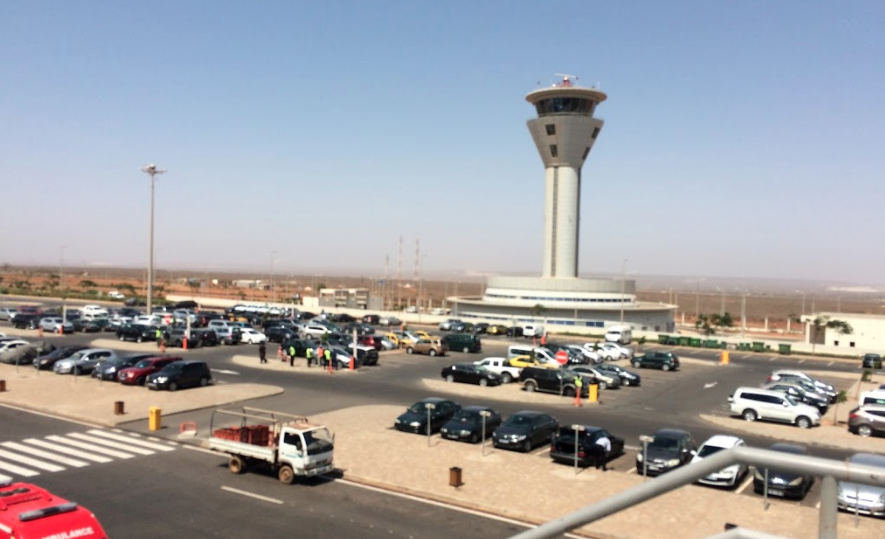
column 853, row 415
column 769, row 379
column 581, row 454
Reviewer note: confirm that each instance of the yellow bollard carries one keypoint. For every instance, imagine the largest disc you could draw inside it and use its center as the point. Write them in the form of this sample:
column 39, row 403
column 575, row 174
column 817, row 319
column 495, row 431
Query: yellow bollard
column 155, row 418
column 593, row 393
column 723, row 358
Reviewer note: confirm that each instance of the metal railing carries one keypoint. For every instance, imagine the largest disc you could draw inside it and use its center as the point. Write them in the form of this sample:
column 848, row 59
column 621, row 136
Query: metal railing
column 830, row 471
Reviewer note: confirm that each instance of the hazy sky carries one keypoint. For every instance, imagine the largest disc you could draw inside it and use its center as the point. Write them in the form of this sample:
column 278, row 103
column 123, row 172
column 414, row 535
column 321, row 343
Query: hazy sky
column 740, row 139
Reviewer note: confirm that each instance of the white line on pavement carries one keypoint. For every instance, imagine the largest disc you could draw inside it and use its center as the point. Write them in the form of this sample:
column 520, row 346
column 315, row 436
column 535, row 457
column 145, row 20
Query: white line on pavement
column 252, row 495
column 632, row 470
column 45, row 454
column 772, row 358
column 108, row 443
column 4, row 478
column 541, row 451
column 207, row 451
column 90, row 447
column 817, row 505
column 18, row 470
column 801, row 361
column 31, row 462
column 66, row 450
column 830, row 364
column 632, row 448
column 747, row 482
column 139, row 443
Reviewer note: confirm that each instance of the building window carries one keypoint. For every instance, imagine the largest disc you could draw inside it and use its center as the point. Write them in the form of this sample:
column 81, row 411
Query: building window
column 551, row 129
column 553, row 151
column 595, row 133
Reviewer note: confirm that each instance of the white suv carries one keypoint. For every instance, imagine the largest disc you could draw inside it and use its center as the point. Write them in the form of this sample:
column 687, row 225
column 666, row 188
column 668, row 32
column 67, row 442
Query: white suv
column 94, row 310
column 753, row 403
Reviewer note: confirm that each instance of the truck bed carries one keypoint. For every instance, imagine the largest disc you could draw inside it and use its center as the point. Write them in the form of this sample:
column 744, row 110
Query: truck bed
column 249, row 441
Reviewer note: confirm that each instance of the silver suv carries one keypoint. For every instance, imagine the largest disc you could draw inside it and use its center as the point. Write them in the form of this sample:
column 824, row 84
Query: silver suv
column 867, row 420
column 752, row 403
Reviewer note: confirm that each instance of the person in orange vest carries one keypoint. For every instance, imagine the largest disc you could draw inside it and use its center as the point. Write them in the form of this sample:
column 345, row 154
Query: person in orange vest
column 544, row 339
column 321, row 359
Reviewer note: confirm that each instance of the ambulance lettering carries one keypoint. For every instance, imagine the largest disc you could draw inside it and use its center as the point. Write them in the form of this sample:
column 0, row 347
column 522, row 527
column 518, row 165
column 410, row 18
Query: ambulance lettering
column 79, row 532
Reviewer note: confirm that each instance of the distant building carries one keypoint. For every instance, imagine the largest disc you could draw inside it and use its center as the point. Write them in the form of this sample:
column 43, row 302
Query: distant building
column 867, row 331
column 350, row 298
column 249, row 283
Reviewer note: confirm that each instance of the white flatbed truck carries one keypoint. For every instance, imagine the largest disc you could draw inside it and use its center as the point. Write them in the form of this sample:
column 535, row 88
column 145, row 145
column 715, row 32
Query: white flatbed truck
column 289, row 444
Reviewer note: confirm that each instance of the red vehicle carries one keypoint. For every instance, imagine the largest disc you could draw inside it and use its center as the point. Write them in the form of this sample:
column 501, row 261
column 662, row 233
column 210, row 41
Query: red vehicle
column 29, row 309
column 30, row 512
column 370, row 340
column 138, row 373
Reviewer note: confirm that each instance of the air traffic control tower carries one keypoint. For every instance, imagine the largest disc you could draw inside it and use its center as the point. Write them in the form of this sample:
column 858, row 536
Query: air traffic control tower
column 564, row 133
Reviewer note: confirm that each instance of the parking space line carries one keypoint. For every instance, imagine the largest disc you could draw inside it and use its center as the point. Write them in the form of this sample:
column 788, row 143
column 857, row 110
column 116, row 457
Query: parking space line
column 252, row 495
column 801, row 361
column 817, row 505
column 830, row 364
column 771, row 359
column 541, row 451
column 632, row 448
column 632, row 470
column 747, row 482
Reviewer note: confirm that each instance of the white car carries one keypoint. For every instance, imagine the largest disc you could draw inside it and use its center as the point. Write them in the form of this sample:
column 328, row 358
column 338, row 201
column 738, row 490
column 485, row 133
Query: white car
column 315, row 330
column 611, row 351
column 147, row 320
column 113, row 294
column 587, row 353
column 12, row 344
column 252, row 336
column 727, row 477
column 55, row 324
column 94, row 311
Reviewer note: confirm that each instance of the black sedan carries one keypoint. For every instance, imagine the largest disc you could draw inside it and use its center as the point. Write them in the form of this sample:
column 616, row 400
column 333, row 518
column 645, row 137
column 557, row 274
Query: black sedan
column 471, row 374
column 371, row 319
column 563, row 447
column 46, row 362
column 782, row 483
column 628, row 378
column 524, row 430
column 415, row 418
column 137, row 333
column 467, row 424
column 84, row 325
column 670, row 449
column 107, row 370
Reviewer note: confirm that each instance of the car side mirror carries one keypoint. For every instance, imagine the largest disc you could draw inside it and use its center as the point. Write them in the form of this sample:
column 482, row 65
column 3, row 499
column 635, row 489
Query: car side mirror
column 694, row 453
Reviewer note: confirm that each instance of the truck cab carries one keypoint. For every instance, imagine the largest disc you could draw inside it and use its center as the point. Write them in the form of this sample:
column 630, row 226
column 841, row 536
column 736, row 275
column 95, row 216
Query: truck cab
column 30, row 512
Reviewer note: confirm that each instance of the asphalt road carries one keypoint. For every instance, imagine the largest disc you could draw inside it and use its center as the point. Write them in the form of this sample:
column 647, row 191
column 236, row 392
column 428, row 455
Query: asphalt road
column 183, row 492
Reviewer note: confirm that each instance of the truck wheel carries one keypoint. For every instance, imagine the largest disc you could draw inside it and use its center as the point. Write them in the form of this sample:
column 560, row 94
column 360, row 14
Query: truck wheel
column 286, row 475
column 530, row 386
column 506, row 378
column 236, row 465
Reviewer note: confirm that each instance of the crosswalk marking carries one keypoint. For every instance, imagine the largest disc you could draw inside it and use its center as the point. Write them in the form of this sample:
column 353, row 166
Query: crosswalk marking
column 17, row 469
column 90, row 447
column 115, row 445
column 129, row 440
column 28, row 461
column 67, row 450
column 45, row 454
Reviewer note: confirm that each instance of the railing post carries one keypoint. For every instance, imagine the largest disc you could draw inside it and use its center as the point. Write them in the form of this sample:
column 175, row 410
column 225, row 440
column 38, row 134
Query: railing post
column 829, row 508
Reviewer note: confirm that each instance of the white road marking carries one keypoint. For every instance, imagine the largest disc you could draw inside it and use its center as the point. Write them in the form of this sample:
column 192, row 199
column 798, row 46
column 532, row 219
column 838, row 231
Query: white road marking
column 225, row 371
column 830, row 364
column 541, row 451
column 252, row 495
column 801, row 361
column 17, row 470
column 45, row 454
column 745, row 356
column 632, row 470
column 115, row 445
column 67, row 450
column 140, row 443
column 711, row 384
column 747, row 482
column 28, row 461
column 632, row 448
column 771, row 359
column 90, row 447
column 5, row 478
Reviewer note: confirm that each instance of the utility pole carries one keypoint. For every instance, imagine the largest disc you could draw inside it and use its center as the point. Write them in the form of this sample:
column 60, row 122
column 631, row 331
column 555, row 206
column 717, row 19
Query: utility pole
column 743, row 313
column 697, row 300
column 623, row 284
column 399, row 273
column 61, row 283
column 273, row 289
column 152, row 171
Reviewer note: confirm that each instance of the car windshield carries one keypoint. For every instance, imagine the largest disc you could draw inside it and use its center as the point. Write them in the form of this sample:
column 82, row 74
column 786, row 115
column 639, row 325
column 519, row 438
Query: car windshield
column 172, row 367
column 708, row 450
column 143, row 364
column 665, row 443
column 418, row 408
column 467, row 416
column 518, row 420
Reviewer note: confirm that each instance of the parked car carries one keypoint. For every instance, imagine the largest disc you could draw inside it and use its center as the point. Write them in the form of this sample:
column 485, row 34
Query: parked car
column 206, row 337
column 175, row 338
column 753, row 403
column 300, row 345
column 666, row 361
column 446, row 325
column 800, row 394
column 361, row 329
column 822, row 387
column 228, row 335
column 389, row 321
column 137, row 333
column 280, row 333
column 85, row 326
column 462, row 327
column 865, row 499
column 529, row 361
column 371, row 319
column 22, row 354
column 370, row 340
column 871, row 361
column 867, row 420
column 55, row 324
column 252, row 336
column 6, row 313
column 783, row 483
column 138, row 373
column 466, row 342
column 669, row 449
column 46, row 362
column 524, row 430
column 26, row 320
column 435, row 347
column 467, row 424
column 480, row 327
column 12, row 344
column 365, row 355
column 730, row 476
column 559, row 381
column 593, row 375
column 108, row 369
column 613, row 350
column 415, row 418
column 180, row 374
column 496, row 329
column 82, row 362
column 471, row 374
column 628, row 378
column 563, row 447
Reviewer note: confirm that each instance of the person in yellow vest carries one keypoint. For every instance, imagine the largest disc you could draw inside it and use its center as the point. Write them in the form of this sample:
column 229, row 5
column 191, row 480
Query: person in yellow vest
column 309, row 354
column 328, row 353
column 291, row 355
column 579, row 386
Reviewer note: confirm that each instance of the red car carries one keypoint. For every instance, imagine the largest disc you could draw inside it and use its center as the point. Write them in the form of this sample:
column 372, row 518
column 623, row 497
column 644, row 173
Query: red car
column 370, row 340
column 137, row 374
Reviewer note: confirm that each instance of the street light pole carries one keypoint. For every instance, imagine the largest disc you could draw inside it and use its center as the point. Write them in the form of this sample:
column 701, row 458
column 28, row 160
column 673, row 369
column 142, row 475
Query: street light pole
column 485, row 415
column 430, row 408
column 61, row 283
column 152, row 171
column 623, row 283
column 273, row 289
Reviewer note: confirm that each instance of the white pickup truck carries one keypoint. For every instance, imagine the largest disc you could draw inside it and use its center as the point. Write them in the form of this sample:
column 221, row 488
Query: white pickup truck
column 289, row 444
column 500, row 365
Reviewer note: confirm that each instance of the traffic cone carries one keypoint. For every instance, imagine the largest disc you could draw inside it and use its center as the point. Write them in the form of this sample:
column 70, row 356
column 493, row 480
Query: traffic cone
column 162, row 346
column 352, row 364
column 184, row 343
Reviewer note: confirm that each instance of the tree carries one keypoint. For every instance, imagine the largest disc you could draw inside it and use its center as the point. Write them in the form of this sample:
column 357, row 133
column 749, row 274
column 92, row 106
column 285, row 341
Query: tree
column 822, row 323
column 841, row 397
column 709, row 324
column 194, row 285
column 538, row 310
column 86, row 283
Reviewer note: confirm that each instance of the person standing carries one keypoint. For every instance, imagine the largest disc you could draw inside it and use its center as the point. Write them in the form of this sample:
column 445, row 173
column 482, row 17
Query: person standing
column 601, row 448
column 159, row 337
column 328, row 353
column 291, row 355
column 262, row 352
column 579, row 387
column 321, row 359
column 309, row 354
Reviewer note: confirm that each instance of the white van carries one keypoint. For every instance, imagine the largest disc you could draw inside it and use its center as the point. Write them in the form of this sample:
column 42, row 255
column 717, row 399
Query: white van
column 532, row 330
column 544, row 355
column 619, row 334
column 872, row 397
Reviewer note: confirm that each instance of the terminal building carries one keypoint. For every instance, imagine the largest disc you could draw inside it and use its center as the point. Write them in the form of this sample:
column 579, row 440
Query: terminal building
column 564, row 132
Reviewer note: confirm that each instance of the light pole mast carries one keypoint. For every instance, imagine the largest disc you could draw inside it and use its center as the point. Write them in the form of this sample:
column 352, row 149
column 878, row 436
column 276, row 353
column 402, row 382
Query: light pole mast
column 61, row 284
column 273, row 289
column 152, row 171
column 623, row 282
